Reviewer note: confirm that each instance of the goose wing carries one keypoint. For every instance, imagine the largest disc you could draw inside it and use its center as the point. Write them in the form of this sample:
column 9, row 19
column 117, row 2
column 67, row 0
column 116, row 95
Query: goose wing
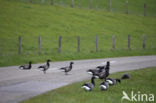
column 24, row 67
column 43, row 67
column 88, row 86
column 93, row 71
column 64, row 68
column 68, row 69
column 101, row 67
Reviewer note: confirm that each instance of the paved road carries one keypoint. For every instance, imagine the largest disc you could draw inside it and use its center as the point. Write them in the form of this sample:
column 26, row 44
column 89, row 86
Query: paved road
column 17, row 85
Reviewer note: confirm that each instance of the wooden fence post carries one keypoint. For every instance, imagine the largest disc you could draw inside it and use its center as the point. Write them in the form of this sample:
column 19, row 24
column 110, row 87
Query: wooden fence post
column 91, row 3
column 0, row 51
column 144, row 41
column 60, row 40
column 78, row 44
column 61, row 2
column 52, row 2
column 72, row 4
column 109, row 5
column 127, row 7
column 113, row 41
column 42, row 1
column 144, row 9
column 129, row 41
column 39, row 44
column 20, row 45
column 96, row 43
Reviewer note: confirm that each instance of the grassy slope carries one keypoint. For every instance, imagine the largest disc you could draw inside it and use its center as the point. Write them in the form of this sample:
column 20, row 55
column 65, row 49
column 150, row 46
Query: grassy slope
column 31, row 20
column 141, row 80
column 135, row 6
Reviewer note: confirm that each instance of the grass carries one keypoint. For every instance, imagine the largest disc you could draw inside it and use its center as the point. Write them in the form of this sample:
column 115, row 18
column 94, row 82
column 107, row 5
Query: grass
column 135, row 6
column 141, row 80
column 31, row 20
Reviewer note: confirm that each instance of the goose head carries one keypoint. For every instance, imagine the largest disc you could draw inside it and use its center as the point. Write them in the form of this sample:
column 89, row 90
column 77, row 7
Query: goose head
column 108, row 63
column 118, row 80
column 30, row 62
column 48, row 60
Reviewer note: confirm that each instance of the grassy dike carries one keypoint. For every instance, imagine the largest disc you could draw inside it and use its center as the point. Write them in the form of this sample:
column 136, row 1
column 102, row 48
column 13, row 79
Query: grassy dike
column 31, row 20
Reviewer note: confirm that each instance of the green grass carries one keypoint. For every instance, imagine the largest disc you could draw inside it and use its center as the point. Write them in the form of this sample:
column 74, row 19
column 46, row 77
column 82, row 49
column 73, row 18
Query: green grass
column 31, row 20
column 141, row 80
column 135, row 6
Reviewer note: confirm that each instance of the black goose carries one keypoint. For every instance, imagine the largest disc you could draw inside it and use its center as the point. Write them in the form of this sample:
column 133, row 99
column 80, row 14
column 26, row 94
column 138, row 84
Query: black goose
column 112, row 81
column 125, row 76
column 26, row 67
column 68, row 68
column 104, row 85
column 45, row 67
column 89, row 86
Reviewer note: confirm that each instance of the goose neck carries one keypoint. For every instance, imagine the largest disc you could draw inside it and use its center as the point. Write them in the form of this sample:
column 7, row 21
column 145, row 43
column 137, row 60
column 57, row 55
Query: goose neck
column 48, row 64
column 92, row 81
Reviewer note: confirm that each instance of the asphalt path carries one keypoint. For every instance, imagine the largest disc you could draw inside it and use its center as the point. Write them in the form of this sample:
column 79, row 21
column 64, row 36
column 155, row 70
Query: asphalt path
column 17, row 85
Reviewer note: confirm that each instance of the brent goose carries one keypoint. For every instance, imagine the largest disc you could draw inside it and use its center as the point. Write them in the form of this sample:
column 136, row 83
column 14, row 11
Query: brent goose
column 112, row 81
column 26, row 67
column 89, row 86
column 104, row 85
column 67, row 68
column 125, row 76
column 45, row 67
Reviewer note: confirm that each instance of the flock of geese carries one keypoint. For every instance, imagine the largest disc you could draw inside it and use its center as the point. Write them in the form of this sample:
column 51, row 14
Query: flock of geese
column 100, row 72
column 45, row 67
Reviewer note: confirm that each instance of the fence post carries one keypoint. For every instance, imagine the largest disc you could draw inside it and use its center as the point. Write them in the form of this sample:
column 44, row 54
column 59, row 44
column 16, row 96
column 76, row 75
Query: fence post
column 39, row 44
column 96, row 43
column 61, row 2
column 91, row 3
column 52, row 2
column 20, row 45
column 78, row 44
column 109, row 5
column 144, row 41
column 144, row 9
column 72, row 4
column 127, row 7
column 113, row 41
column 0, row 51
column 42, row 1
column 129, row 41
column 60, row 40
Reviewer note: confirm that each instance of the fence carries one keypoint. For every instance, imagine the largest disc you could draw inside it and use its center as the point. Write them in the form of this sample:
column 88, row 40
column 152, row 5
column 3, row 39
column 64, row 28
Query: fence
column 42, row 44
column 126, row 6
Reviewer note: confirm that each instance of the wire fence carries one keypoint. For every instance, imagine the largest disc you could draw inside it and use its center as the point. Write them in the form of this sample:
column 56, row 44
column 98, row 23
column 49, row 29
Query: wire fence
column 56, row 45
column 146, row 8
